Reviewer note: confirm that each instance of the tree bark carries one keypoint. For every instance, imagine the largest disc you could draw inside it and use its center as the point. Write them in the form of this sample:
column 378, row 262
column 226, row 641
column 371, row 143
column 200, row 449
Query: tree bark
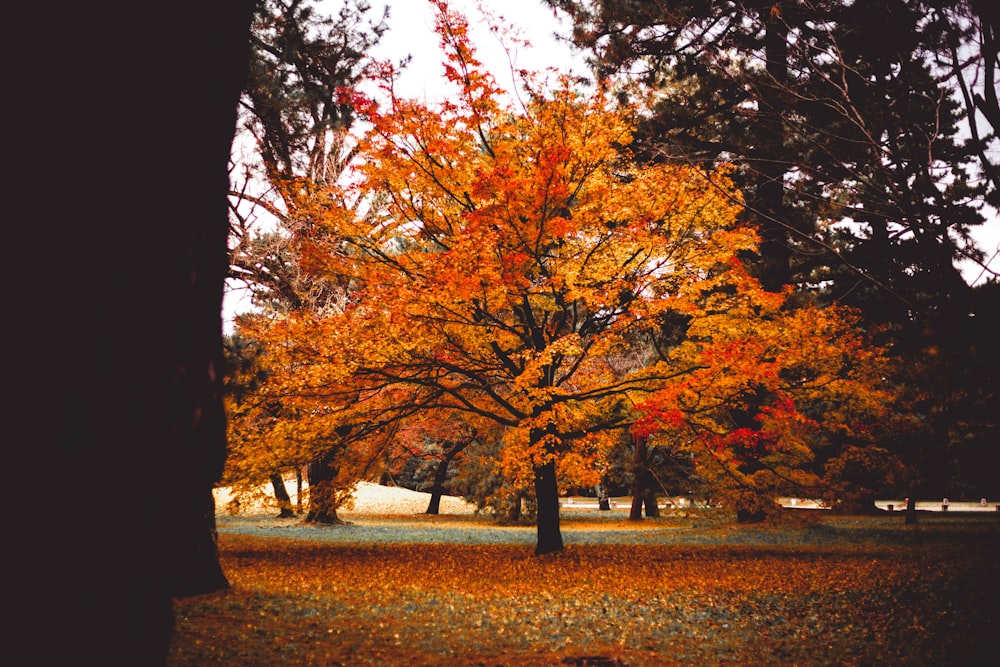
column 603, row 502
column 440, row 476
column 298, row 489
column 650, row 501
column 768, row 198
column 547, row 495
column 281, row 494
column 643, row 490
column 118, row 214
column 911, row 510
column 514, row 509
column 322, row 492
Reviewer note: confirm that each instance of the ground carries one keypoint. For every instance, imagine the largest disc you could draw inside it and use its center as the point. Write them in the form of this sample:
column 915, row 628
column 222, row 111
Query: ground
column 395, row 587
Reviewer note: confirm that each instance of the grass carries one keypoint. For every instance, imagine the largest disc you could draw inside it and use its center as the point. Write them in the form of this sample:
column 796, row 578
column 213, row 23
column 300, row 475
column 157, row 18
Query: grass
column 683, row 589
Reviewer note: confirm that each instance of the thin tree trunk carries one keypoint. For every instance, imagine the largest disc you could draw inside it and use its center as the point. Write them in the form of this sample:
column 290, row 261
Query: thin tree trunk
column 650, row 500
column 440, row 475
column 281, row 494
column 547, row 495
column 603, row 502
column 514, row 511
column 911, row 509
column 298, row 489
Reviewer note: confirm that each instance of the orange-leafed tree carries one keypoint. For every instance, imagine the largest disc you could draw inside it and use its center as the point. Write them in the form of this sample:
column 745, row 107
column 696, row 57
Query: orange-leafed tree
column 289, row 414
column 509, row 254
column 508, row 263
column 785, row 399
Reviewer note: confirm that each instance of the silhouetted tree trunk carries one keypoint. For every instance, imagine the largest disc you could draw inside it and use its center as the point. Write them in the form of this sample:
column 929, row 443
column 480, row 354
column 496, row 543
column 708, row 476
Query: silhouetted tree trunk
column 603, row 502
column 515, row 508
column 323, row 491
column 118, row 214
column 281, row 494
column 643, row 489
column 767, row 199
column 547, row 495
column 911, row 510
column 298, row 490
column 440, row 477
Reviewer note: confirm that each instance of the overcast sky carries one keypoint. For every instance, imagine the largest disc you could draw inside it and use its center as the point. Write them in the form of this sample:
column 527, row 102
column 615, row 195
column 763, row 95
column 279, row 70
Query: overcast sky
column 411, row 32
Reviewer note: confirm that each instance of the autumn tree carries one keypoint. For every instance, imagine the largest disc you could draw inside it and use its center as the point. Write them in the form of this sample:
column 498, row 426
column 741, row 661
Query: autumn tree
column 782, row 401
column 437, row 440
column 508, row 253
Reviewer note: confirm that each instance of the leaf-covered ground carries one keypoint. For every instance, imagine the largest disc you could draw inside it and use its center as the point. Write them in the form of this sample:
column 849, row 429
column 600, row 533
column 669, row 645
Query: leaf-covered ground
column 678, row 590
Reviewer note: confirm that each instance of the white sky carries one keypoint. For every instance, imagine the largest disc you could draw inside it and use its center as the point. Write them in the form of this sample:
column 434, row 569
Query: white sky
column 411, row 32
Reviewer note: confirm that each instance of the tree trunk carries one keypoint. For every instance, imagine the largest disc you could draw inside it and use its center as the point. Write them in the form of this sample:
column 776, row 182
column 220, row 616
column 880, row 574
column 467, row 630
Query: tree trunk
column 547, row 495
column 515, row 507
column 768, row 196
column 440, row 476
column 113, row 347
column 323, row 499
column 643, row 490
column 650, row 501
column 281, row 494
column 911, row 510
column 298, row 489
column 603, row 502
column 202, row 571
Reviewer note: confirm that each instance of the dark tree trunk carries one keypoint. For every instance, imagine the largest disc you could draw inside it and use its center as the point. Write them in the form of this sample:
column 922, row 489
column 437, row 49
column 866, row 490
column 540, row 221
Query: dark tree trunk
column 440, row 476
column 651, row 502
column 298, row 490
column 322, row 492
column 911, row 510
column 118, row 231
column 746, row 515
column 281, row 494
column 202, row 572
column 603, row 502
column 547, row 495
column 643, row 489
column 770, row 164
column 515, row 507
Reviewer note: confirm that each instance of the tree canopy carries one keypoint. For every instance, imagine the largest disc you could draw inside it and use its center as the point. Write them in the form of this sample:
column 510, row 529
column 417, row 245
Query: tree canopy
column 512, row 262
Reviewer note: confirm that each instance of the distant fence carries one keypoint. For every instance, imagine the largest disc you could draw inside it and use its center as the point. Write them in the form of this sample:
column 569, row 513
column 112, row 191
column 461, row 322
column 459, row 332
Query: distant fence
column 943, row 505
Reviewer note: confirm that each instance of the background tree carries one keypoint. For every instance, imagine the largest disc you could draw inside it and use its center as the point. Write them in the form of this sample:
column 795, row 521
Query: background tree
column 300, row 58
column 290, row 107
column 825, row 120
column 832, row 120
column 116, row 352
column 247, row 421
column 431, row 445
